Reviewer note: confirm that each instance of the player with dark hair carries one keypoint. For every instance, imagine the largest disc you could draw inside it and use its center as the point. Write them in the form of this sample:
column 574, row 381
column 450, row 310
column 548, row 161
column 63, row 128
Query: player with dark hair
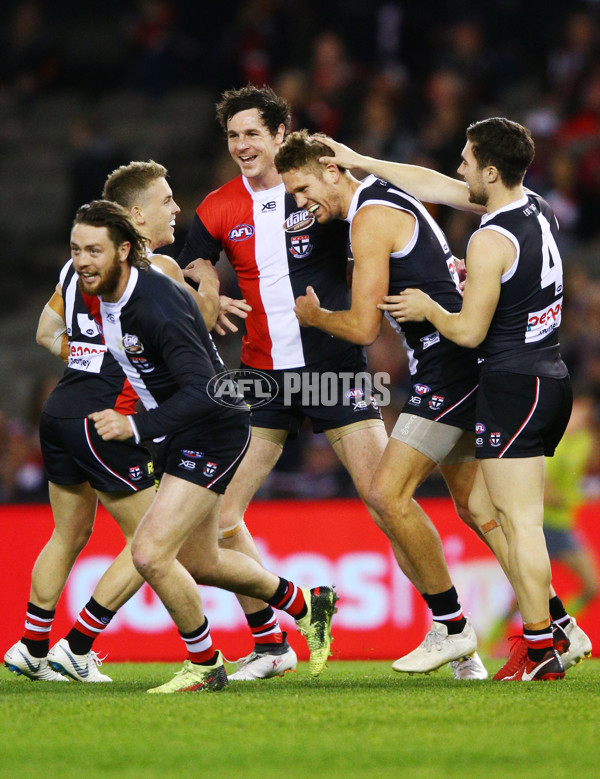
column 511, row 311
column 277, row 249
column 81, row 467
column 154, row 330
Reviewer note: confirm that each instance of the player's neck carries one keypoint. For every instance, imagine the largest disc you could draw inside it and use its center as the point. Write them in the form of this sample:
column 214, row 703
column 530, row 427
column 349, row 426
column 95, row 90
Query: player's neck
column 267, row 180
column 504, row 197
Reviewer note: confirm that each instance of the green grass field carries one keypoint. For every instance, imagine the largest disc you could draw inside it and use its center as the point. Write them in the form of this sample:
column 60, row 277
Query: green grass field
column 359, row 719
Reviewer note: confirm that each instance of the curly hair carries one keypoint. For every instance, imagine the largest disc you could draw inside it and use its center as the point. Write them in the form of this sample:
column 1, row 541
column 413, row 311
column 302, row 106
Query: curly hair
column 272, row 109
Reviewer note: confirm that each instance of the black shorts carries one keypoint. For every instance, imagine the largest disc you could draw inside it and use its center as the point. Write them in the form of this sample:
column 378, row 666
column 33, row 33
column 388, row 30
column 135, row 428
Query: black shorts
column 74, row 453
column 520, row 415
column 330, row 399
column 451, row 404
column 206, row 454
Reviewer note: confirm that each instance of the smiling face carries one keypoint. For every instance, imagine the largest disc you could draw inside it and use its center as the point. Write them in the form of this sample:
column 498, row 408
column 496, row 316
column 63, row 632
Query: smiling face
column 474, row 176
column 311, row 190
column 102, row 268
column 155, row 213
column 253, row 148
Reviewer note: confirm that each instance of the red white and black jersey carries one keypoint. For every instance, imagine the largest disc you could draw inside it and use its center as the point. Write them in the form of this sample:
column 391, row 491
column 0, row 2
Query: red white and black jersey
column 425, row 263
column 92, row 380
column 157, row 335
column 276, row 251
column 523, row 334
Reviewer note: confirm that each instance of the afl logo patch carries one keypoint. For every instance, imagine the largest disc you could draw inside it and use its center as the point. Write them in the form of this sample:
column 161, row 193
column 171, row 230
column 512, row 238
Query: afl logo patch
column 480, row 427
column 241, row 232
column 421, row 389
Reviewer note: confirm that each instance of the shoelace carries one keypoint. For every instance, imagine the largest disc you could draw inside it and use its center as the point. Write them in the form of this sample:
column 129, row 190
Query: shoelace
column 95, row 658
column 433, row 640
column 241, row 661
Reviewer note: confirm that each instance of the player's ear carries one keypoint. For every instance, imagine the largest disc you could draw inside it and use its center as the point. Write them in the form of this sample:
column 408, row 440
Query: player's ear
column 138, row 216
column 124, row 250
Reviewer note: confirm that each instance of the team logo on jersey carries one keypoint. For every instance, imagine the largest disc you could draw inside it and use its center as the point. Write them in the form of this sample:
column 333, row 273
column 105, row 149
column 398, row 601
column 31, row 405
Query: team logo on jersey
column 135, row 473
column 301, row 246
column 436, row 401
column 87, row 325
column 430, row 340
column 480, row 427
column 241, row 232
column 298, row 221
column 421, row 389
column 495, row 439
column 191, row 454
column 132, row 344
column 210, row 469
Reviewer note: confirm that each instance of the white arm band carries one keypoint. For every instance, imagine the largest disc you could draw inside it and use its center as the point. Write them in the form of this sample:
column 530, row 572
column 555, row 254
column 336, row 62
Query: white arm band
column 136, row 435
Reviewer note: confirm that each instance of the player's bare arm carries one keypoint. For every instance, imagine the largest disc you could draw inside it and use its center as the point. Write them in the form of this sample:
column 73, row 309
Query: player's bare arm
column 203, row 272
column 376, row 232
column 112, row 426
column 489, row 255
column 426, row 184
column 207, row 296
column 52, row 330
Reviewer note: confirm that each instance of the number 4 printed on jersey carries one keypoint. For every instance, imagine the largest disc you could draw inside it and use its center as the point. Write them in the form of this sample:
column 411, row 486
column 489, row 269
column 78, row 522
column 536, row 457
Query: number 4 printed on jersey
column 552, row 272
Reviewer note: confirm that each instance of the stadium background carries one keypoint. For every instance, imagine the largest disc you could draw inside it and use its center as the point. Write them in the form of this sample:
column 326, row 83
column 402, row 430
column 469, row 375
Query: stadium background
column 83, row 90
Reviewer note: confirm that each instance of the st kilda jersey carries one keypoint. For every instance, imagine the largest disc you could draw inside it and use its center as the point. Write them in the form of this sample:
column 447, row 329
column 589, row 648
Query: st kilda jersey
column 276, row 251
column 92, row 380
column 157, row 335
column 426, row 263
column 523, row 334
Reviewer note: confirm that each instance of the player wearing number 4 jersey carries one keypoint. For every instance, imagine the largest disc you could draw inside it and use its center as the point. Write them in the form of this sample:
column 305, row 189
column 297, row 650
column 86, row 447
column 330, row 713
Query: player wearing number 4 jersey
column 511, row 310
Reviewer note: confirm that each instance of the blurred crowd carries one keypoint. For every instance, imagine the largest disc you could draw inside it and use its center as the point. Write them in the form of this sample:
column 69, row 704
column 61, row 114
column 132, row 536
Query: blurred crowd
column 394, row 79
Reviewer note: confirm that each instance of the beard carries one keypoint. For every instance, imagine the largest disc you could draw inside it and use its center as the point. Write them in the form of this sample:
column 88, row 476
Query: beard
column 107, row 284
column 478, row 196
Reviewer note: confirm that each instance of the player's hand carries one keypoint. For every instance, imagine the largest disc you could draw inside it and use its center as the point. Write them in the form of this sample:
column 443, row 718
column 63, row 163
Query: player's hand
column 410, row 306
column 201, row 270
column 232, row 307
column 305, row 306
column 111, row 426
column 343, row 155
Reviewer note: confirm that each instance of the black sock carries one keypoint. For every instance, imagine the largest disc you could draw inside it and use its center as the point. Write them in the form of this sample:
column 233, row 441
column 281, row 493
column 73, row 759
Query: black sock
column 558, row 612
column 38, row 648
column 446, row 609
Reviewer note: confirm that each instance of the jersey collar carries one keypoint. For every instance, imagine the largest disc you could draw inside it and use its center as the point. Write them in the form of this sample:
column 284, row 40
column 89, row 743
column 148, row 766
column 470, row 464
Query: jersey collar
column 124, row 299
column 353, row 207
column 515, row 204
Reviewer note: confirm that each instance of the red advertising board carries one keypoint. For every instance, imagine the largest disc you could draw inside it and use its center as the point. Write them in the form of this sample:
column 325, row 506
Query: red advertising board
column 322, row 542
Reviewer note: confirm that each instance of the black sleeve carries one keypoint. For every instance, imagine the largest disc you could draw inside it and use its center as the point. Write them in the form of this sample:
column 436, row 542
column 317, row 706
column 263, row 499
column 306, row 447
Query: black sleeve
column 199, row 244
column 178, row 340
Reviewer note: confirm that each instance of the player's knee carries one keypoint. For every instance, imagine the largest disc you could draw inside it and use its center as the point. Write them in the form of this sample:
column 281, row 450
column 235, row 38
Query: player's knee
column 227, row 531
column 75, row 541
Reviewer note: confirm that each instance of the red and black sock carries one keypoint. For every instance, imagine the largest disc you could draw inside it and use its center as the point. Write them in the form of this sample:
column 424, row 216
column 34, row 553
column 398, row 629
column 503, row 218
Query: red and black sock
column 289, row 598
column 93, row 619
column 446, row 609
column 199, row 645
column 265, row 629
column 38, row 624
column 538, row 642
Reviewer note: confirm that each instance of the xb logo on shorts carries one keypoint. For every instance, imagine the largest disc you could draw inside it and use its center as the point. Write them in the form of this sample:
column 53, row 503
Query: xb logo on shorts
column 229, row 387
